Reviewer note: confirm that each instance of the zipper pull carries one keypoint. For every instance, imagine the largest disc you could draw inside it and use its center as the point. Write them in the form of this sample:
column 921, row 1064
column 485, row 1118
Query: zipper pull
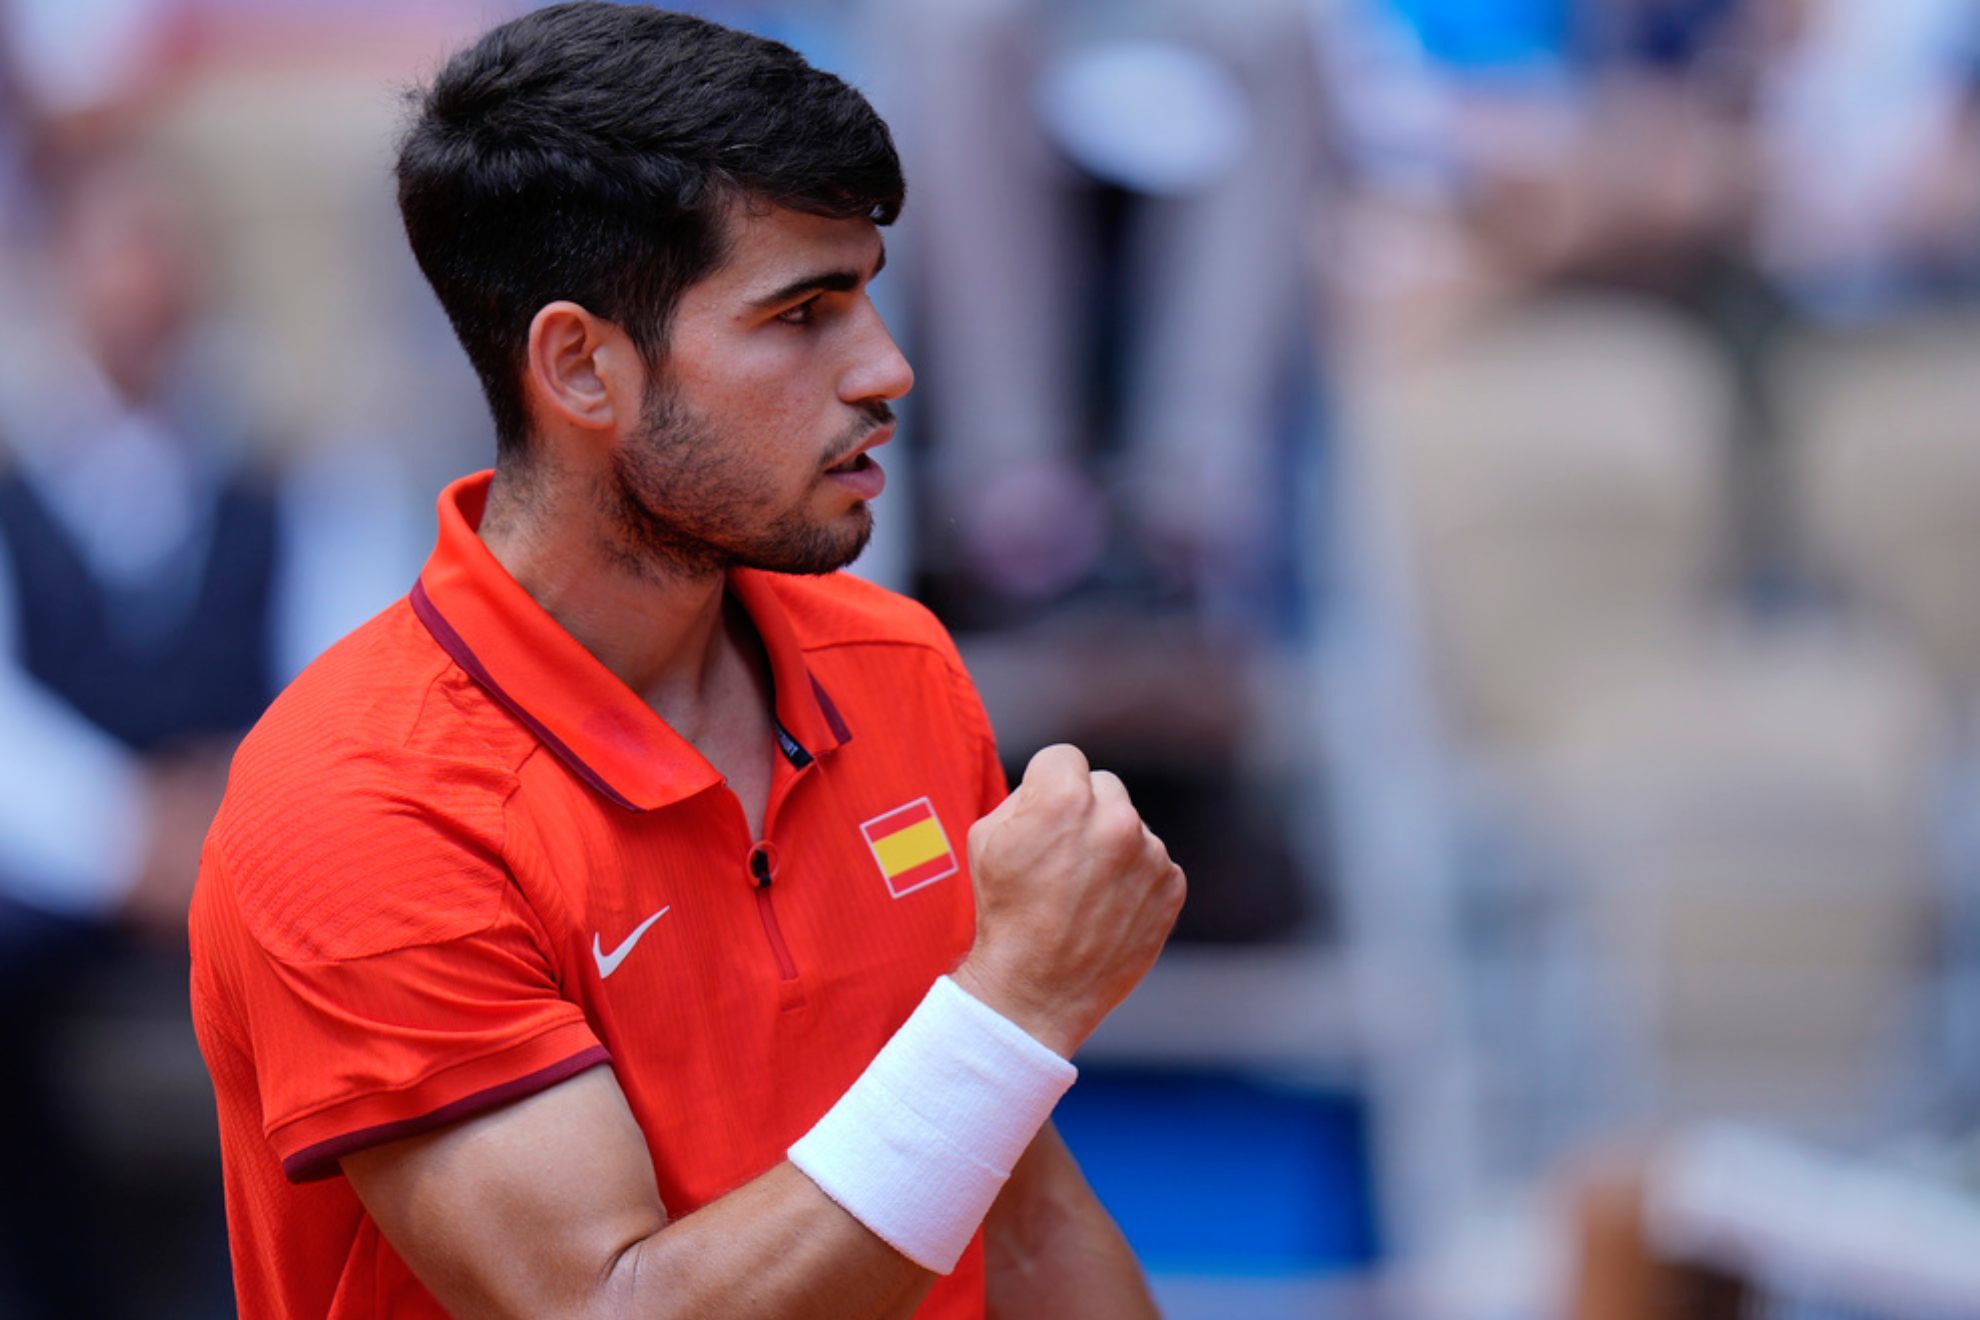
column 763, row 862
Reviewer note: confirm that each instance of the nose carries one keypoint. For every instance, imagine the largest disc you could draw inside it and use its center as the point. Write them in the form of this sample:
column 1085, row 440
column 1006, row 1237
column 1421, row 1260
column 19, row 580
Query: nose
column 879, row 369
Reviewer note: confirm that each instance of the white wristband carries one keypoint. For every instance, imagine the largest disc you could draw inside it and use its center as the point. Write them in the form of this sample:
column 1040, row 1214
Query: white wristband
column 920, row 1145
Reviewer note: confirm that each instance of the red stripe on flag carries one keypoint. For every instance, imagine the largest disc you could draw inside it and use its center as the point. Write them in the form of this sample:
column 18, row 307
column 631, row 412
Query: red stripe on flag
column 896, row 820
column 932, row 869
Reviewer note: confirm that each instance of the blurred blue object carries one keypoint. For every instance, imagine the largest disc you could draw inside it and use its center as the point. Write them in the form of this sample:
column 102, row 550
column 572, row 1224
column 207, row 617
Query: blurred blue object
column 1489, row 34
column 1213, row 1173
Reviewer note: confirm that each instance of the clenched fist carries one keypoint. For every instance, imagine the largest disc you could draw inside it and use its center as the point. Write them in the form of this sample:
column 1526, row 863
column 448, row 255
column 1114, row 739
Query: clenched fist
column 1074, row 898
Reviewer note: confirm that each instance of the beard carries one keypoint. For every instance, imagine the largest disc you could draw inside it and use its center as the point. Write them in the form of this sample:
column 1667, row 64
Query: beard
column 683, row 502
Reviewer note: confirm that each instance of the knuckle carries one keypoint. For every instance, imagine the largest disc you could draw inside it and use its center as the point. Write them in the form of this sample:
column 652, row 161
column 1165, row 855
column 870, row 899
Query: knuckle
column 1070, row 792
column 1055, row 799
column 1119, row 830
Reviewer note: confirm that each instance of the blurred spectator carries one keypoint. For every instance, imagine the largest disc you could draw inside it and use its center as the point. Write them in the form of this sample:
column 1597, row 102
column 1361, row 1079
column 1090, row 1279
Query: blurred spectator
column 1506, row 147
column 1112, row 208
column 1834, row 146
column 133, row 582
column 126, row 497
column 149, row 604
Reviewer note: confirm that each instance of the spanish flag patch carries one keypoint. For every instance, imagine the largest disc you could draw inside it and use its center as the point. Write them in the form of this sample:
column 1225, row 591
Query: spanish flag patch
column 910, row 847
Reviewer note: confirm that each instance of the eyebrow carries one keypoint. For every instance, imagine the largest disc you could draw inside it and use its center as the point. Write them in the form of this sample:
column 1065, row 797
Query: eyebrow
column 830, row 281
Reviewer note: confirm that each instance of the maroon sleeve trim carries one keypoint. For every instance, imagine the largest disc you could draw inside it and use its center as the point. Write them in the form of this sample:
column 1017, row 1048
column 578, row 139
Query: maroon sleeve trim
column 321, row 1160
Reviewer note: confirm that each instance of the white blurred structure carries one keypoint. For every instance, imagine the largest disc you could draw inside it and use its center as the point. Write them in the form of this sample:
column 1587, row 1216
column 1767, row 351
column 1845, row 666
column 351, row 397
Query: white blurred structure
column 1625, row 852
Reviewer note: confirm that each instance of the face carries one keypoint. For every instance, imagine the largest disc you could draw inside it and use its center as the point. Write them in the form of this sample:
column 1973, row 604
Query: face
column 126, row 255
column 751, row 449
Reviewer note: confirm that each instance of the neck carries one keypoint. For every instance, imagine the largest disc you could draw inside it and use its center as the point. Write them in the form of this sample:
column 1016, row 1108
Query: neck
column 658, row 628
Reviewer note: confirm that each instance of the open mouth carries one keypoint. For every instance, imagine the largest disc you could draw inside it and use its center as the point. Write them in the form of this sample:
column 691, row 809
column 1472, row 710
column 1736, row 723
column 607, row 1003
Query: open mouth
column 860, row 476
column 859, row 462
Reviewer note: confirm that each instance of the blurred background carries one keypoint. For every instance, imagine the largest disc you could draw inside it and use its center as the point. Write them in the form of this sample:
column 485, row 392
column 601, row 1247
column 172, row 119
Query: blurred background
column 1500, row 479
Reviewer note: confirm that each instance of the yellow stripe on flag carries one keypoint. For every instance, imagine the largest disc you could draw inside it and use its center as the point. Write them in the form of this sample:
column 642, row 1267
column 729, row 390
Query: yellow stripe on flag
column 904, row 849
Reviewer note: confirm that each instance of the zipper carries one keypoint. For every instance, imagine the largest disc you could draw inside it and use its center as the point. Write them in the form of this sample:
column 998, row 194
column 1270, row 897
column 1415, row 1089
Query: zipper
column 761, row 869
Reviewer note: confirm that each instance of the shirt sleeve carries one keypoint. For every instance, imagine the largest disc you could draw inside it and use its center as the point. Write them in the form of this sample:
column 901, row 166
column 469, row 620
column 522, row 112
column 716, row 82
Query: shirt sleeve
column 380, row 1005
column 992, row 785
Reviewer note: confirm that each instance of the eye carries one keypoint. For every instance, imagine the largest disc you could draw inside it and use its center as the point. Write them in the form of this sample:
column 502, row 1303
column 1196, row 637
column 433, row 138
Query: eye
column 805, row 313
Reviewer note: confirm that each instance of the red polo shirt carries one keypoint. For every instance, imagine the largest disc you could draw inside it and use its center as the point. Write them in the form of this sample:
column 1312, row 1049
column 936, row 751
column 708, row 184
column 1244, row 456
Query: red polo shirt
column 459, row 861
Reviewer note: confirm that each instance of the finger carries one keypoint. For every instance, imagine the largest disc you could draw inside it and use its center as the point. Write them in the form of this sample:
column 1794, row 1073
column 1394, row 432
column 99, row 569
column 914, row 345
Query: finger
column 1056, row 767
column 1109, row 791
column 1177, row 883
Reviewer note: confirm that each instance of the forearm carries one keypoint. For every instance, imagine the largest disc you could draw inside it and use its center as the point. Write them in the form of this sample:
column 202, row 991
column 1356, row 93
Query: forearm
column 885, row 1191
column 512, row 1216
column 1051, row 1248
column 774, row 1247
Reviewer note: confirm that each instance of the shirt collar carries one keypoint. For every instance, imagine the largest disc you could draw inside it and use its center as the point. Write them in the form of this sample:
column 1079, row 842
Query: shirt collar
column 603, row 730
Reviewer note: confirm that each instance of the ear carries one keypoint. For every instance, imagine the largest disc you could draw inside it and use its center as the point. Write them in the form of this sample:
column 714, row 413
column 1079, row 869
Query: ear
column 581, row 370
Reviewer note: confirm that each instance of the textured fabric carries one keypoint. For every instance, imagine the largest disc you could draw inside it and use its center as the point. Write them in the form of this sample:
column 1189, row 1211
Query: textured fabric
column 459, row 860
column 183, row 652
column 921, row 1144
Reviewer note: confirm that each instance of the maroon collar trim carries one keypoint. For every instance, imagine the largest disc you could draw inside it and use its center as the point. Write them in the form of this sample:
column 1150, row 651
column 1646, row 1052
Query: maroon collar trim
column 605, row 733
column 463, row 655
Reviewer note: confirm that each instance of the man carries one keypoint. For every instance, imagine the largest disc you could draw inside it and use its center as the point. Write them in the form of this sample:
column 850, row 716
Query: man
column 548, row 939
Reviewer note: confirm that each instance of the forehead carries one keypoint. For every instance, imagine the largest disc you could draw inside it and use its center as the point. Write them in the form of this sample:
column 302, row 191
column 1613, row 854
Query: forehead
column 769, row 247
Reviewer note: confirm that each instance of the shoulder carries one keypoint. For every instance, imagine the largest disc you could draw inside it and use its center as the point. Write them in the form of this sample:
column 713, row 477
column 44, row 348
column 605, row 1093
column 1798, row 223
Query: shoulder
column 838, row 609
column 364, row 812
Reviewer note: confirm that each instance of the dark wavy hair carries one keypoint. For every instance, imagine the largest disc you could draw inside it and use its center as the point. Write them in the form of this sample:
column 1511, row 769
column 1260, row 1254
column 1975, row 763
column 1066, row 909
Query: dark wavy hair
column 588, row 151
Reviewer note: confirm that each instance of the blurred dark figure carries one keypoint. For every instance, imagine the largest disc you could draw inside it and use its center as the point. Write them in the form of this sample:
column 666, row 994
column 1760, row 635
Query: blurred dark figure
column 1111, row 260
column 138, row 552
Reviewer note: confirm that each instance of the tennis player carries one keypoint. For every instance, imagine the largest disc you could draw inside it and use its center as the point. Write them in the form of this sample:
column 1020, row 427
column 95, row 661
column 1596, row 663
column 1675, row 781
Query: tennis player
column 634, row 920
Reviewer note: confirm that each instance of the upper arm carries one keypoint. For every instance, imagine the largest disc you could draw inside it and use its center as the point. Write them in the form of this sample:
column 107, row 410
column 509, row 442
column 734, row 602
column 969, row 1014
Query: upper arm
column 548, row 1207
column 379, row 962
column 523, row 1210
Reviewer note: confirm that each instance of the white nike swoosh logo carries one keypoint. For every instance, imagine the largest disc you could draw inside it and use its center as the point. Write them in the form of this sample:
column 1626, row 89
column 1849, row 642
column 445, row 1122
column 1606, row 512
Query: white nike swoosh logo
column 609, row 962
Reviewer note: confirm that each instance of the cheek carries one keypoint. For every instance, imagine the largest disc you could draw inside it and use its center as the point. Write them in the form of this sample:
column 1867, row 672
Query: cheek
column 772, row 394
column 780, row 424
